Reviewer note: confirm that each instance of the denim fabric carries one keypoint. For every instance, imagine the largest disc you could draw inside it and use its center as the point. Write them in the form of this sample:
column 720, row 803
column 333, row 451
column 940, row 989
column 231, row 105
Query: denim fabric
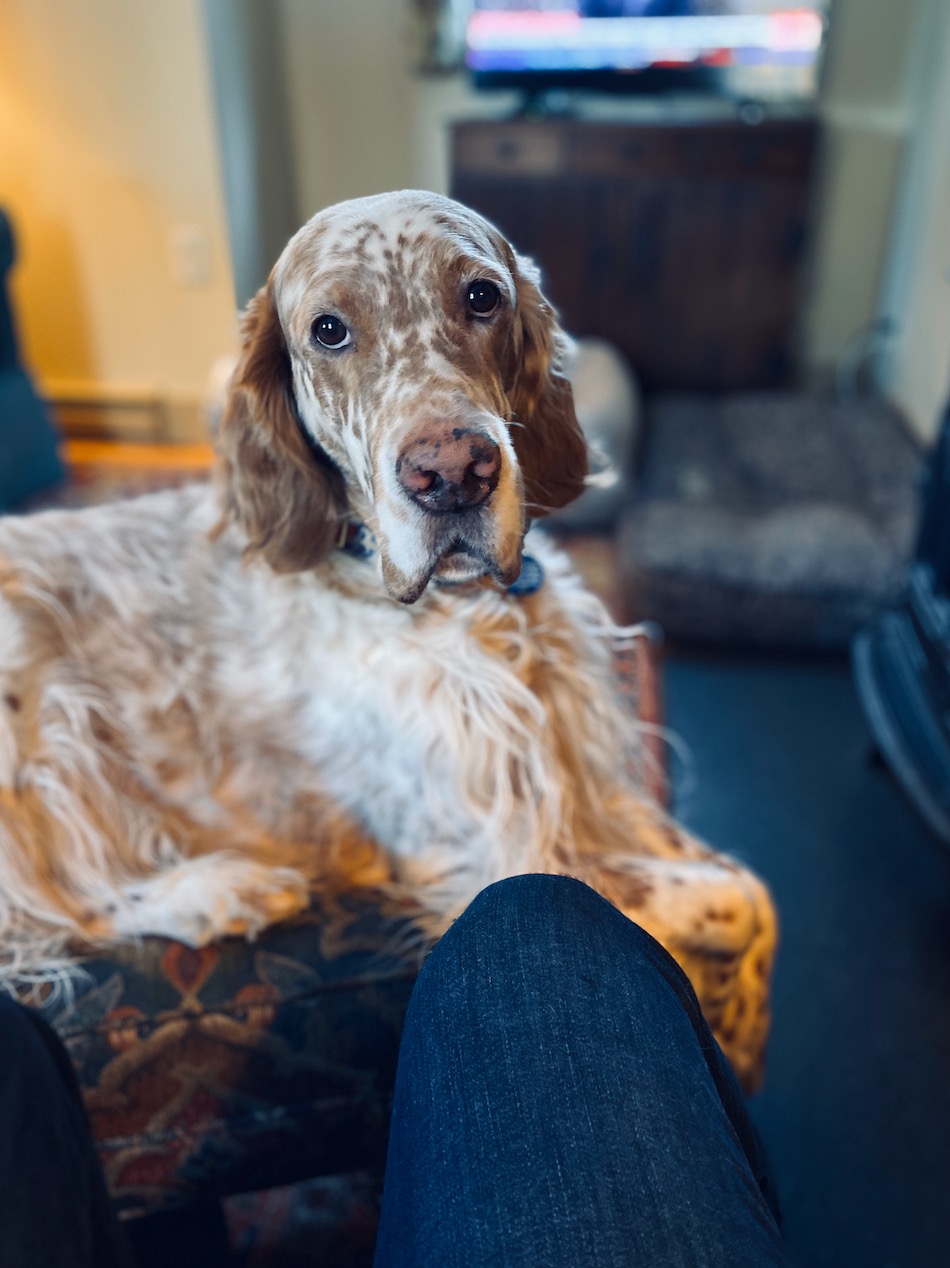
column 54, row 1210
column 560, row 1101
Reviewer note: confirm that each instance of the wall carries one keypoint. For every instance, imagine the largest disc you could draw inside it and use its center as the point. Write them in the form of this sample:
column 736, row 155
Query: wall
column 110, row 172
column 351, row 98
column 915, row 298
column 866, row 115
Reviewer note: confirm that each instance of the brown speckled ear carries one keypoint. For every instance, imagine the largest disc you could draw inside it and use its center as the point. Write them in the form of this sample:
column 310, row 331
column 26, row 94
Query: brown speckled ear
column 287, row 495
column 547, row 437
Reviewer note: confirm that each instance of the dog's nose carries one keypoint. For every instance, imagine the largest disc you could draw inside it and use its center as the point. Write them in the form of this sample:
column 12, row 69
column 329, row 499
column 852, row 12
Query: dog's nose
column 454, row 471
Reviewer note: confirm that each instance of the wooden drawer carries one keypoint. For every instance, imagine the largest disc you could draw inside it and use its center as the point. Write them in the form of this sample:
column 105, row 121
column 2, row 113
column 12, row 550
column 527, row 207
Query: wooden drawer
column 720, row 150
column 714, row 151
column 516, row 149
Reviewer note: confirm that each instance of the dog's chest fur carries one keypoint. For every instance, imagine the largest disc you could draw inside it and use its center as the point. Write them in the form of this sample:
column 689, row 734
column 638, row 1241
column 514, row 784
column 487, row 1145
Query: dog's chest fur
column 241, row 694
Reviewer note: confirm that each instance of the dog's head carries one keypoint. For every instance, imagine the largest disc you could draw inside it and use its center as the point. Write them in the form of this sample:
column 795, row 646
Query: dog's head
column 400, row 367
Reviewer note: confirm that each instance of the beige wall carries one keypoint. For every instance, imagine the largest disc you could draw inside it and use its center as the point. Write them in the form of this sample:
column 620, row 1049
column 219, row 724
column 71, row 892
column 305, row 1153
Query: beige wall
column 915, row 299
column 109, row 169
column 351, row 97
column 866, row 113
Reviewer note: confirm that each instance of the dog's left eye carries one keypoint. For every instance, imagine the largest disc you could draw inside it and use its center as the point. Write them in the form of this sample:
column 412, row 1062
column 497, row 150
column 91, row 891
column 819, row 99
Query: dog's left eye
column 483, row 298
column 330, row 331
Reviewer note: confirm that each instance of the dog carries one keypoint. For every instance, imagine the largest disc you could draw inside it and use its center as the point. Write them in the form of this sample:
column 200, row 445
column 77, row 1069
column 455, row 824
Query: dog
column 346, row 656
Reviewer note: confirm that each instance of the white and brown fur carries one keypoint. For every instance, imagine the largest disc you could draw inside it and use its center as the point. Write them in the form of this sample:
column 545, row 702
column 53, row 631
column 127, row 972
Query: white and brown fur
column 207, row 708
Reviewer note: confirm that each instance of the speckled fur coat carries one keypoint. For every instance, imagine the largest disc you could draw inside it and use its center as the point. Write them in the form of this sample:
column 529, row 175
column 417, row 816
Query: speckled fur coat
column 207, row 707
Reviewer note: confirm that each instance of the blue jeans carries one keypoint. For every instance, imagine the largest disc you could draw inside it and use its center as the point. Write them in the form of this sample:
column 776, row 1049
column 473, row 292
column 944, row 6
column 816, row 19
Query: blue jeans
column 561, row 1101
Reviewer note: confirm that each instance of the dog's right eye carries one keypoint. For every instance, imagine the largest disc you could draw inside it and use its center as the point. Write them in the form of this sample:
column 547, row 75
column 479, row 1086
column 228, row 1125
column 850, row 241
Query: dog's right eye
column 329, row 331
column 482, row 298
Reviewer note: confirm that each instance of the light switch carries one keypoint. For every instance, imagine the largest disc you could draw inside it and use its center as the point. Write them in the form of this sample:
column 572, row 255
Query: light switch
column 190, row 251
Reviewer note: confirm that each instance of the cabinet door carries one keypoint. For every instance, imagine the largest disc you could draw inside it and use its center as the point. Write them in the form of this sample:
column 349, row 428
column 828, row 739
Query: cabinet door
column 562, row 224
column 703, row 292
column 681, row 246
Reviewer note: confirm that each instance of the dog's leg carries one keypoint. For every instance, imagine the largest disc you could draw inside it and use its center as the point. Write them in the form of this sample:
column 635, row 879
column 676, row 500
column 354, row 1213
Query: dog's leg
column 716, row 919
column 208, row 897
column 240, row 880
column 714, row 916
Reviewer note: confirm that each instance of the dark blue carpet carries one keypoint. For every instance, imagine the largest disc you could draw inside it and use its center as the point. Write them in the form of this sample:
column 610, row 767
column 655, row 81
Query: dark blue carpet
column 855, row 1113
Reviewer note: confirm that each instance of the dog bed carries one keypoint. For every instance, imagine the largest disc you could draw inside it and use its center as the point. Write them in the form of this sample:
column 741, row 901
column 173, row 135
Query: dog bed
column 769, row 519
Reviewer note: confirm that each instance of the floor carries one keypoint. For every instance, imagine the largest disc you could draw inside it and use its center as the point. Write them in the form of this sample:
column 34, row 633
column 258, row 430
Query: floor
column 855, row 1113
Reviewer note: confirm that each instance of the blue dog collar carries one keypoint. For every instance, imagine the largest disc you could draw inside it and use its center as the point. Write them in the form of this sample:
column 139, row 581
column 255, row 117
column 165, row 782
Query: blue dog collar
column 357, row 540
column 530, row 579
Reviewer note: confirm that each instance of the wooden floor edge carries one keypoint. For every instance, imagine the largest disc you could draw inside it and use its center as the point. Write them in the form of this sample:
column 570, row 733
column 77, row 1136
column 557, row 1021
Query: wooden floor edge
column 193, row 457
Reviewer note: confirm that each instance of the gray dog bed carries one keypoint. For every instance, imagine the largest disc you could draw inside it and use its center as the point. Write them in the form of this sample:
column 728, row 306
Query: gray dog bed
column 769, row 519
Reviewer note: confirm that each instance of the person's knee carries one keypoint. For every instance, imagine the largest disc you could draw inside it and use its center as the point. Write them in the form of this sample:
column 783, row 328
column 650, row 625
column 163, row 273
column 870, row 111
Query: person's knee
column 554, row 916
column 551, row 906
column 540, row 937
column 518, row 902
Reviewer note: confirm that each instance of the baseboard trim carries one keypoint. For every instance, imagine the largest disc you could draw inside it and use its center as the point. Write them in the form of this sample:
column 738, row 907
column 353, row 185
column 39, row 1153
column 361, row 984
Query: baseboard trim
column 125, row 412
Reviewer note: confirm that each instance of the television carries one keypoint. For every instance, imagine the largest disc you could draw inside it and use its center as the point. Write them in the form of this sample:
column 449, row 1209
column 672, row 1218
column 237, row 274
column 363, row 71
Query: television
column 767, row 51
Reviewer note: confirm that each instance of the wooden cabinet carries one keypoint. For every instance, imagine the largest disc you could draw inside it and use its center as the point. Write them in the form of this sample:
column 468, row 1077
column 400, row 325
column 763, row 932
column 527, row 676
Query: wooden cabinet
column 682, row 243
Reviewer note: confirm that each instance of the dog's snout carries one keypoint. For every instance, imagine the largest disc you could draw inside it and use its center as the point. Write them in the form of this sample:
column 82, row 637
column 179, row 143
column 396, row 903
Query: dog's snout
column 455, row 470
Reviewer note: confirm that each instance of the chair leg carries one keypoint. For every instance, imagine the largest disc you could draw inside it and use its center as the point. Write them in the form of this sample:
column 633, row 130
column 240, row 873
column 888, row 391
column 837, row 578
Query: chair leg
column 193, row 1237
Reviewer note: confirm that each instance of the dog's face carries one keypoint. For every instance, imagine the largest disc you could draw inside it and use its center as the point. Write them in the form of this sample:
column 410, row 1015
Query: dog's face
column 400, row 367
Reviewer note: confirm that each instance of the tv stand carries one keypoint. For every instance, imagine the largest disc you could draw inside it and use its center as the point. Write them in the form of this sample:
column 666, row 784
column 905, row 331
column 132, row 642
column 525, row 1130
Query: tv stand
column 544, row 104
column 682, row 241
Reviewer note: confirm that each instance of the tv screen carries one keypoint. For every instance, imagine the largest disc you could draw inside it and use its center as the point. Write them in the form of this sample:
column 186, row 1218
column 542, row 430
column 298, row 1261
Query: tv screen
column 765, row 50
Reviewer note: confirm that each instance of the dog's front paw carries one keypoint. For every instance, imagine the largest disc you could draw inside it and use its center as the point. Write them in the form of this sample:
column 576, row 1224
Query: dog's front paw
column 256, row 907
column 216, row 896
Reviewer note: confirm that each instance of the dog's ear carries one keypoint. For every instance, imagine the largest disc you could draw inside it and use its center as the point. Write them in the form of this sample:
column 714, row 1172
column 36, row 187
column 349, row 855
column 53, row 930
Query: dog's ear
column 285, row 493
column 547, row 437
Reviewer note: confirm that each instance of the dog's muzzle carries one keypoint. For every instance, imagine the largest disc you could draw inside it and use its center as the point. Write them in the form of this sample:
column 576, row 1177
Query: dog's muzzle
column 454, row 510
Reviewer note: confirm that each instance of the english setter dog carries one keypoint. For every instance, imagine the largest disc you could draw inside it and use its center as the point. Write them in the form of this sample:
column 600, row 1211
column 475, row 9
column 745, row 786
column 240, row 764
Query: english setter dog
column 344, row 658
